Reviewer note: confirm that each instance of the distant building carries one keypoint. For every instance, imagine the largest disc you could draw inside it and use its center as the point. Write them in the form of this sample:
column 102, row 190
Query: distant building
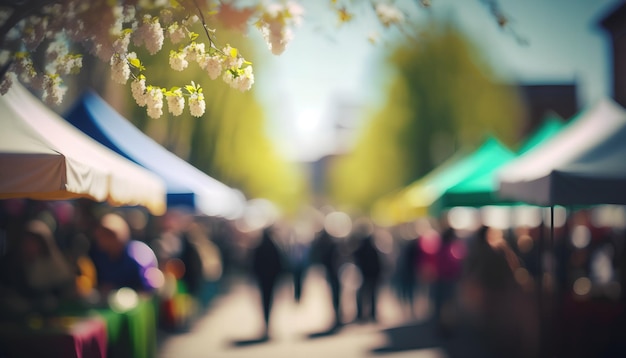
column 615, row 24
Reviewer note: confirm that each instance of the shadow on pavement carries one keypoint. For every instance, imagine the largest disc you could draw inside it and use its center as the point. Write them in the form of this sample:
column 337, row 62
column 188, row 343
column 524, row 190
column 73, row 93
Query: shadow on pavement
column 420, row 335
column 250, row 342
column 463, row 342
column 329, row 332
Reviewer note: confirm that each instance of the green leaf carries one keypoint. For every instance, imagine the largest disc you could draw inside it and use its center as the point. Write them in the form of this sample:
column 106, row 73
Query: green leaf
column 233, row 52
column 135, row 63
column 193, row 36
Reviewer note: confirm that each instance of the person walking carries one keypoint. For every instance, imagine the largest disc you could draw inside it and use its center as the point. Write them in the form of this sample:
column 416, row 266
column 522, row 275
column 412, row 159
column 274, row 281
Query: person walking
column 266, row 266
column 368, row 260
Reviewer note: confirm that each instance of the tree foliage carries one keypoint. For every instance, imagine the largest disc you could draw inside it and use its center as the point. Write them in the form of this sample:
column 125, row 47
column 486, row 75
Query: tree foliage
column 442, row 98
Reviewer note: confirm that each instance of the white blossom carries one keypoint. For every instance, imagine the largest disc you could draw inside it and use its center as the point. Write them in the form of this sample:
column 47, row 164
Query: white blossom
column 176, row 102
column 56, row 49
column 154, row 102
column 178, row 61
column 67, row 64
column 213, row 65
column 150, row 33
column 118, row 24
column 231, row 61
column 245, row 80
column 176, row 33
column 120, row 70
column 194, row 51
column 120, row 45
column 196, row 104
column 129, row 14
column 7, row 81
column 274, row 25
column 388, row 14
column 24, row 68
column 53, row 91
column 240, row 80
column 138, row 88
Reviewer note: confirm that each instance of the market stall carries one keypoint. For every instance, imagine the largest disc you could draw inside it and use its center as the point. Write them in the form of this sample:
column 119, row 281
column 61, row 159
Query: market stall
column 43, row 157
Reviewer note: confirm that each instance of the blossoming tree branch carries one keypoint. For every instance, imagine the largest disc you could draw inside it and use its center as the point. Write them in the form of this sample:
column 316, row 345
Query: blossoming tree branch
column 42, row 41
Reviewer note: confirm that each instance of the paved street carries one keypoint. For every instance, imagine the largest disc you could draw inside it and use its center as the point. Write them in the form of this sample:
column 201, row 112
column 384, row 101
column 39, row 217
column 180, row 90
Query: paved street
column 234, row 320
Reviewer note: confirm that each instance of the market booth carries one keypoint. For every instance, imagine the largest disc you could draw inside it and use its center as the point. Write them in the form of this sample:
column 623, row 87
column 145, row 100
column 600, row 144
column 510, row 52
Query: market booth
column 581, row 167
column 42, row 157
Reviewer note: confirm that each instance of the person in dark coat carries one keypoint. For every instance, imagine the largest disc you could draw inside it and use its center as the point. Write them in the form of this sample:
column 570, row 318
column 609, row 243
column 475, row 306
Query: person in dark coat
column 367, row 259
column 325, row 251
column 266, row 266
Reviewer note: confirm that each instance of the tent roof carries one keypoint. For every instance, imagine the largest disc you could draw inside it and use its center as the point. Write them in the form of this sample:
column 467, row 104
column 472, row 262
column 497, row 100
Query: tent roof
column 478, row 187
column 43, row 157
column 427, row 193
column 550, row 126
column 582, row 164
column 481, row 188
column 186, row 185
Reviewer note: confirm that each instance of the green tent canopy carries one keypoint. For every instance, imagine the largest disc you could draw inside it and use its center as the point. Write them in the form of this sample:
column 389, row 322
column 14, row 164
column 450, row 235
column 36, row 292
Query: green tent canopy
column 480, row 188
column 425, row 197
column 475, row 185
column 551, row 126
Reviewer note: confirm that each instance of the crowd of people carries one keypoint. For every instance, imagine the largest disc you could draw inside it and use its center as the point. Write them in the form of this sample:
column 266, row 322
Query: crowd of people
column 524, row 290
column 63, row 257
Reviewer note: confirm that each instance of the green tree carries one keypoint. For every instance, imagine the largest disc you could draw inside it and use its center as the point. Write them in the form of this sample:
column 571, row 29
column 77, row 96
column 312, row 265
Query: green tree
column 442, row 97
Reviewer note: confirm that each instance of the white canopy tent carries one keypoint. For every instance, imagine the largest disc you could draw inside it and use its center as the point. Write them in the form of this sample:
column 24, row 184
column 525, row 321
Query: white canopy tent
column 44, row 157
column 584, row 164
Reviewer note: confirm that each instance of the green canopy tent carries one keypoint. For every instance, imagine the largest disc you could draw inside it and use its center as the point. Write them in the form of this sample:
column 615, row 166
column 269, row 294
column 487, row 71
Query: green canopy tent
column 480, row 188
column 424, row 196
column 551, row 126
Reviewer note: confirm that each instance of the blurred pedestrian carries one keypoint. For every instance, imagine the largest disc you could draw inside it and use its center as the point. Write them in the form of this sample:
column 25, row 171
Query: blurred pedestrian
column 449, row 258
column 325, row 251
column 298, row 255
column 368, row 261
column 267, row 267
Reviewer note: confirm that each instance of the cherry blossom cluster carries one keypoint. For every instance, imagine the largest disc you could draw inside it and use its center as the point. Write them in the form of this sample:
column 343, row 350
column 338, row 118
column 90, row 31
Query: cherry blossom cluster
column 151, row 34
column 115, row 30
column 65, row 30
column 276, row 24
column 388, row 14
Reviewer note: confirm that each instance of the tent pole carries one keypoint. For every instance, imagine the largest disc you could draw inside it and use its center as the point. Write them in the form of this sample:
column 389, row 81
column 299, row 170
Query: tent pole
column 550, row 285
column 540, row 286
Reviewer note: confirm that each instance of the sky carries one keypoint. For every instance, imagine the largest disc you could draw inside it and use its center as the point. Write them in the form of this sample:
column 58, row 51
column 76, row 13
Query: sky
column 326, row 63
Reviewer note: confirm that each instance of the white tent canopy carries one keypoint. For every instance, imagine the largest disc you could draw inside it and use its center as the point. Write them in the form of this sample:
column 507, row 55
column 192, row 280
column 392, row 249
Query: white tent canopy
column 583, row 164
column 44, row 157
